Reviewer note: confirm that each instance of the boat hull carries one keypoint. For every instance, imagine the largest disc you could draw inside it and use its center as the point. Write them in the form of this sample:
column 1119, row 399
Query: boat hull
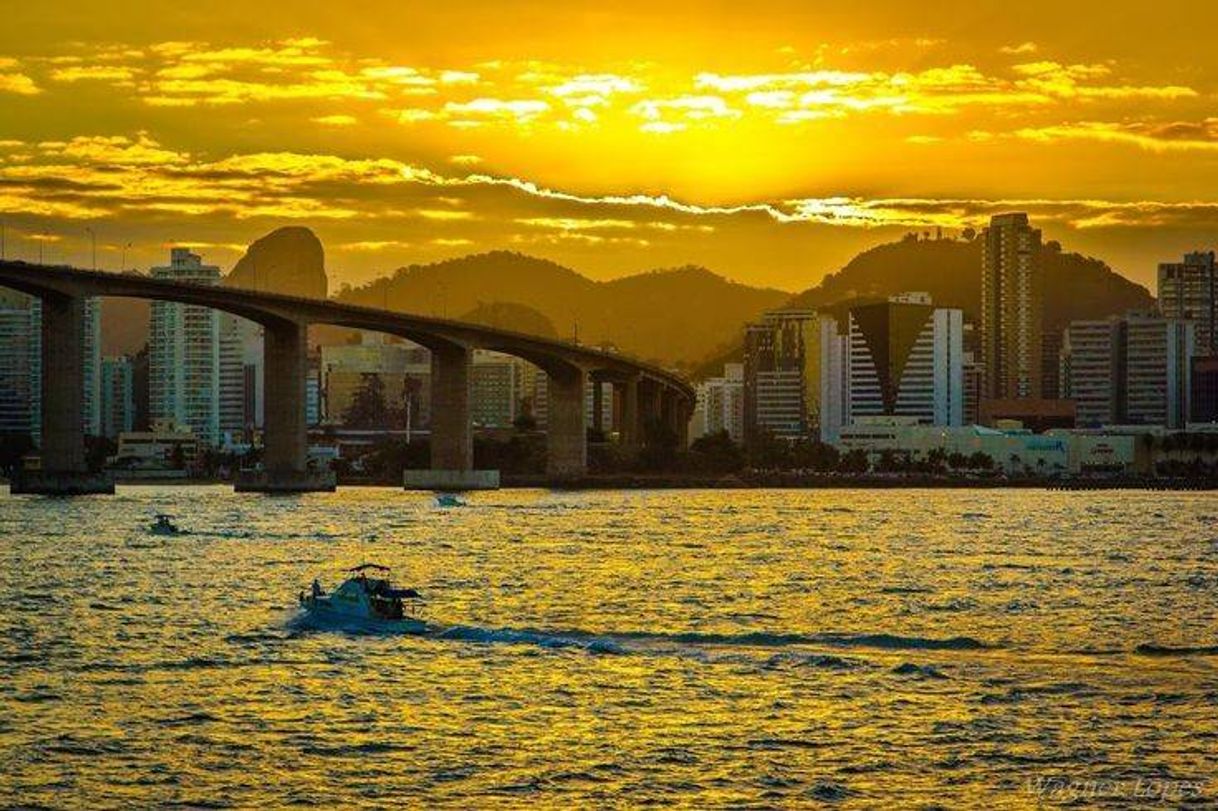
column 328, row 612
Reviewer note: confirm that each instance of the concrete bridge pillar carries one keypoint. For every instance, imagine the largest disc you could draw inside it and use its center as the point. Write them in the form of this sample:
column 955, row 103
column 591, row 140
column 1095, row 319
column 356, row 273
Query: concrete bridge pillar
column 650, row 404
column 676, row 416
column 567, row 436
column 63, row 395
column 452, row 439
column 285, row 439
column 628, row 419
column 452, row 434
column 64, row 470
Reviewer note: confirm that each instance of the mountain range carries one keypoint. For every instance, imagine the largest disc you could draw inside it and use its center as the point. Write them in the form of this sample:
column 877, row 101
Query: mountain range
column 687, row 318
column 674, row 317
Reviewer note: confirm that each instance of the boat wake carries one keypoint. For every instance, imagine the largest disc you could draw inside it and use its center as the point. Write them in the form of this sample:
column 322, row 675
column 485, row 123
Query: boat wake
column 1150, row 649
column 628, row 642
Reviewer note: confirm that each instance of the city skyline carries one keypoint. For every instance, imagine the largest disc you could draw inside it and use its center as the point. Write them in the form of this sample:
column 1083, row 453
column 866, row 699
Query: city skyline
column 770, row 164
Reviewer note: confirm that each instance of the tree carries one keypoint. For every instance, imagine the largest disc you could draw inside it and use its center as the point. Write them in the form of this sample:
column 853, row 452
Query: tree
column 854, row 461
column 889, row 462
column 936, row 460
column 715, row 452
column 768, row 452
column 980, row 460
column 368, row 408
column 810, row 454
column 659, row 450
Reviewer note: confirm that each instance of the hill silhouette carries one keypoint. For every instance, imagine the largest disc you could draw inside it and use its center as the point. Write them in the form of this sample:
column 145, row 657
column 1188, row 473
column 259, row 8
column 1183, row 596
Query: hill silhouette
column 673, row 316
column 686, row 317
column 1076, row 287
column 511, row 316
column 288, row 260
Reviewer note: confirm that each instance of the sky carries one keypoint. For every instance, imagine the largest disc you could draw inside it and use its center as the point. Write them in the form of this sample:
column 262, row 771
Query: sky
column 769, row 142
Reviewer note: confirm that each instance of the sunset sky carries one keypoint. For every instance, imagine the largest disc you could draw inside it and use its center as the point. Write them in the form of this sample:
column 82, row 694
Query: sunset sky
column 768, row 141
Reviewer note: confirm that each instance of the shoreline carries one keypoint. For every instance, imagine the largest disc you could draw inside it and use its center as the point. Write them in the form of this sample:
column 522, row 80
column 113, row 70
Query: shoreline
column 757, row 480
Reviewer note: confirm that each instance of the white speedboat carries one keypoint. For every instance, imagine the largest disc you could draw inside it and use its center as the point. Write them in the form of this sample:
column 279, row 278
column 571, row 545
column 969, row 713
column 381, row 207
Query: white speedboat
column 164, row 526
column 367, row 595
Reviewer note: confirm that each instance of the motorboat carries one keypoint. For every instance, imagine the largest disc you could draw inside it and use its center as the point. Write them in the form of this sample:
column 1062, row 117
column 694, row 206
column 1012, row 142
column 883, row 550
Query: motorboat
column 164, row 526
column 367, row 595
column 448, row 500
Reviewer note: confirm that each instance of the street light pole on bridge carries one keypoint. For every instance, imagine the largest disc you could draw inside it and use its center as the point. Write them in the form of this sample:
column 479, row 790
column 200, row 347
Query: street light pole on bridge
column 93, row 238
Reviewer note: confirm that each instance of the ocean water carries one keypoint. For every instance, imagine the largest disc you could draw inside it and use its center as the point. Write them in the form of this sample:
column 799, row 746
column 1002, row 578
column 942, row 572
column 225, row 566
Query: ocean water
column 911, row 648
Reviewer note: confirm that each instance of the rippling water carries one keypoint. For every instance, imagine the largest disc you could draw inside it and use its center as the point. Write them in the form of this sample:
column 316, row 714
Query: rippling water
column 917, row 648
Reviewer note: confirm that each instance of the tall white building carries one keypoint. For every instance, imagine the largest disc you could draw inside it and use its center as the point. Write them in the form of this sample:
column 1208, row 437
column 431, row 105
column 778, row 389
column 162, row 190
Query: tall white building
column 184, row 353
column 905, row 358
column 719, row 404
column 234, row 333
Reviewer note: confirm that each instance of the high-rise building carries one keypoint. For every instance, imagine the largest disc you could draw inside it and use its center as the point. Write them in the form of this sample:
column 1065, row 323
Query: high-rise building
column 1092, row 369
column 590, row 403
column 92, row 367
column 1012, row 303
column 1205, row 389
column 312, row 393
column 493, row 388
column 791, row 390
column 1134, row 369
column 234, row 419
column 1050, row 364
column 21, row 366
column 906, row 360
column 972, row 372
column 117, row 397
column 1158, row 370
column 184, row 353
column 1189, row 290
column 719, row 404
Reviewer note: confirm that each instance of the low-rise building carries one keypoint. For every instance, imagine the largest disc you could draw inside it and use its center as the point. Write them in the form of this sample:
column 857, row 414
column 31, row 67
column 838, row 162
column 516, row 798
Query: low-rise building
column 1012, row 451
column 165, row 448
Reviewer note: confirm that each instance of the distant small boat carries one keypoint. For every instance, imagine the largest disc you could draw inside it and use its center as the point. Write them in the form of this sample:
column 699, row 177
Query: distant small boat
column 164, row 526
column 367, row 595
column 448, row 500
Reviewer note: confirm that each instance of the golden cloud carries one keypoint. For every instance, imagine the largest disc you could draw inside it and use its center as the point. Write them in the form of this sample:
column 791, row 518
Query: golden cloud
column 107, row 73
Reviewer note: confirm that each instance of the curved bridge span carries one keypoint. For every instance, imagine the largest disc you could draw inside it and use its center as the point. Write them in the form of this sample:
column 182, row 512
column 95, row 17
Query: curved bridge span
column 645, row 392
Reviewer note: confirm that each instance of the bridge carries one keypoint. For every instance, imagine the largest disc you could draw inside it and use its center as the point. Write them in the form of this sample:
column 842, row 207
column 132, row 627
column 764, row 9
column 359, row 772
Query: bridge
column 645, row 392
